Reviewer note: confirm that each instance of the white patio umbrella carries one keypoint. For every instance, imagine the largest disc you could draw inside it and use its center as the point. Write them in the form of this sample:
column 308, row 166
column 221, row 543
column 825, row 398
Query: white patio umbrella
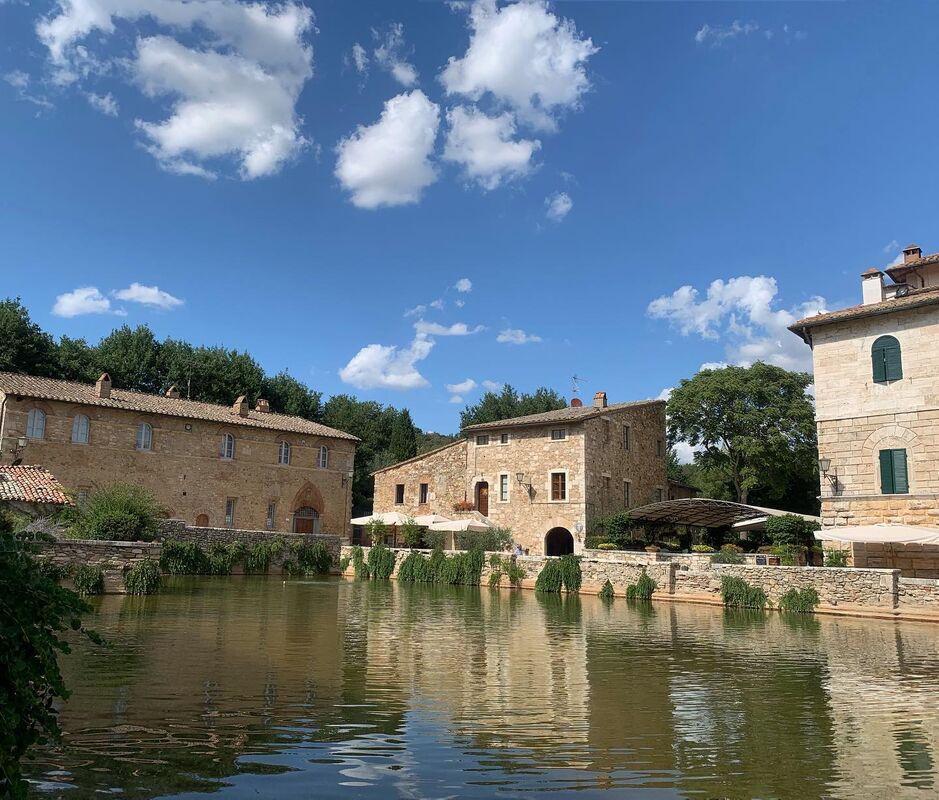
column 385, row 518
column 884, row 533
column 429, row 519
column 459, row 526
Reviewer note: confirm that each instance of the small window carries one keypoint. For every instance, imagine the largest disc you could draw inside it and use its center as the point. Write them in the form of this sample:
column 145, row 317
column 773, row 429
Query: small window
column 627, row 491
column 144, row 436
column 228, row 446
column 625, row 437
column 658, row 496
column 503, row 438
column 36, row 424
column 283, row 453
column 885, row 360
column 399, row 494
column 423, row 494
column 482, row 440
column 894, row 474
column 558, row 486
column 659, row 447
column 324, row 457
column 80, row 427
column 271, row 515
column 504, row 488
column 558, row 434
column 230, row 512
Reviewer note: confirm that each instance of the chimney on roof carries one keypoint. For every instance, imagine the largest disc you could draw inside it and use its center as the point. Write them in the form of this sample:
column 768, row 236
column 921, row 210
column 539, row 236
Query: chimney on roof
column 240, row 406
column 576, row 402
column 599, row 400
column 912, row 252
column 172, row 393
column 262, row 407
column 872, row 286
column 103, row 386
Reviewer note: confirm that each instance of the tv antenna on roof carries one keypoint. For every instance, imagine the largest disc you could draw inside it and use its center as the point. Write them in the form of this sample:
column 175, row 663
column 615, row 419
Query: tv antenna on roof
column 576, row 380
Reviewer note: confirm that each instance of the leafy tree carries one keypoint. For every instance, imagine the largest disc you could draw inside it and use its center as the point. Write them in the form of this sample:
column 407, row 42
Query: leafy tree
column 403, row 440
column 755, row 426
column 76, row 360
column 131, row 356
column 508, row 403
column 675, row 469
column 429, row 440
column 288, row 396
column 24, row 346
column 209, row 374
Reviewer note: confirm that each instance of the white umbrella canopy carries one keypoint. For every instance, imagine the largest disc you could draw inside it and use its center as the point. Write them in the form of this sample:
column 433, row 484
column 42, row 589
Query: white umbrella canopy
column 884, row 533
column 386, row 518
column 429, row 519
column 457, row 525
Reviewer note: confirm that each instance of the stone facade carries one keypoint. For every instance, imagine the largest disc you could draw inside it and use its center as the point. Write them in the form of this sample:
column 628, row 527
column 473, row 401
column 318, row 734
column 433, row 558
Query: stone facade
column 184, row 468
column 591, row 454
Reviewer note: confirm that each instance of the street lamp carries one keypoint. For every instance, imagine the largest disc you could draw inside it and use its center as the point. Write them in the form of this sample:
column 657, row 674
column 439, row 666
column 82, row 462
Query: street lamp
column 520, row 477
column 831, row 475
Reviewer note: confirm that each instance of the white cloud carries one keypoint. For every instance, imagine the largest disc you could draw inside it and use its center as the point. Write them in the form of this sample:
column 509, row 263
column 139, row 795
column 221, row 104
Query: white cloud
column 360, row 59
column 492, row 386
column 716, row 35
column 685, row 452
column 459, row 303
column 436, row 329
column 419, row 309
column 232, row 87
column 464, row 387
column 389, row 54
column 740, row 311
column 437, row 304
column 464, row 285
column 526, row 57
column 105, row 103
column 21, row 81
column 516, row 336
column 892, row 245
column 152, row 296
column 388, row 163
column 378, row 366
column 456, row 398
column 17, row 79
column 84, row 300
column 485, row 148
column 557, row 206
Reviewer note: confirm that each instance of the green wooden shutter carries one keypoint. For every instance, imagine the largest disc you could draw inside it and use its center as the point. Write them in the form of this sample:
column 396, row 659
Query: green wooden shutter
column 901, row 484
column 893, row 367
column 886, row 472
column 878, row 364
column 886, row 361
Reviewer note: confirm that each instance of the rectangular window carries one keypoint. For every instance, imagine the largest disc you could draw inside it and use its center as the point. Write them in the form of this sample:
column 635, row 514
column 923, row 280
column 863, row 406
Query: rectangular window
column 504, row 488
column 271, row 515
column 558, row 434
column 399, row 494
column 482, row 440
column 625, row 437
column 230, row 512
column 558, row 486
column 503, row 438
column 627, row 491
column 658, row 496
column 423, row 494
column 894, row 476
column 659, row 447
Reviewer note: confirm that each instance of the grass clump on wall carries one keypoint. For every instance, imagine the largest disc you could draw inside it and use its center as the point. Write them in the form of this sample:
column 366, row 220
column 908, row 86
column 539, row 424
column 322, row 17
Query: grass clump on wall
column 559, row 572
column 799, row 601
column 642, row 589
column 358, row 563
column 737, row 593
column 144, row 578
column 381, row 562
column 183, row 558
column 88, row 579
column 459, row 569
column 606, row 593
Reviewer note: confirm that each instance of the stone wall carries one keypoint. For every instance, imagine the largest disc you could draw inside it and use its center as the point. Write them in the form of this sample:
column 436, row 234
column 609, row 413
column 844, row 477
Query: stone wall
column 919, row 593
column 443, row 470
column 184, row 469
column 112, row 557
column 913, row 560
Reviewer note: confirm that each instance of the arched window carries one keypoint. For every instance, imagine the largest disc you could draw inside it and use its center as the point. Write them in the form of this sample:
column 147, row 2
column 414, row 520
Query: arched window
column 885, row 358
column 228, row 446
column 283, row 453
column 80, row 426
column 144, row 436
column 324, row 457
column 36, row 424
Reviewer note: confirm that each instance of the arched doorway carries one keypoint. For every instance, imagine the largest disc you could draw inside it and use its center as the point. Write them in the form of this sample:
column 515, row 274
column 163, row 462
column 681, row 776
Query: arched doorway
column 306, row 519
column 202, row 521
column 482, row 498
column 558, row 542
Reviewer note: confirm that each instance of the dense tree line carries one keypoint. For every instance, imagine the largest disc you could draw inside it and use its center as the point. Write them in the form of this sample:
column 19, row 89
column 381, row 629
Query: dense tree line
column 509, row 403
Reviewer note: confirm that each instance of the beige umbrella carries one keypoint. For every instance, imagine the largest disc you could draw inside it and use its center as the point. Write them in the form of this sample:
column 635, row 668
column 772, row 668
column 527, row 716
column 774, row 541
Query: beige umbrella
column 426, row 520
column 459, row 526
column 385, row 518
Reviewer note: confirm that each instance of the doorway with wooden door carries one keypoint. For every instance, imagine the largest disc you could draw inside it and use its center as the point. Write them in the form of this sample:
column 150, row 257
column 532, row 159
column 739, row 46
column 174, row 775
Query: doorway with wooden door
column 482, row 498
column 306, row 520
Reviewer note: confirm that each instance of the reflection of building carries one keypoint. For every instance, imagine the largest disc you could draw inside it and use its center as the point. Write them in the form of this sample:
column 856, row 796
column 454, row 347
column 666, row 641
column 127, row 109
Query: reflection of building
column 208, row 464
column 877, row 407
column 545, row 476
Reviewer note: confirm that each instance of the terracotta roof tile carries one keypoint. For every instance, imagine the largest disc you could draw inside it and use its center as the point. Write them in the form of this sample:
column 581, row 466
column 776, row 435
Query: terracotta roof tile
column 84, row 393
column 914, row 299
column 28, row 484
column 568, row 414
column 906, row 267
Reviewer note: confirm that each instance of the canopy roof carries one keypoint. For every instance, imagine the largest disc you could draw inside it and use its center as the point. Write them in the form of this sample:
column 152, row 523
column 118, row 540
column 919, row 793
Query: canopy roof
column 460, row 525
column 703, row 512
column 884, row 533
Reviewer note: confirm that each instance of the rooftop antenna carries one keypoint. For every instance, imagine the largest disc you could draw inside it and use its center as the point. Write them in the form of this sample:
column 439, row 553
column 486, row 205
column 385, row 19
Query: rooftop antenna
column 576, row 380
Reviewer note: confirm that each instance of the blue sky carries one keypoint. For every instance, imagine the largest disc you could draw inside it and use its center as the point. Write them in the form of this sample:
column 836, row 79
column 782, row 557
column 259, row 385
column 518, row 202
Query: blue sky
column 303, row 176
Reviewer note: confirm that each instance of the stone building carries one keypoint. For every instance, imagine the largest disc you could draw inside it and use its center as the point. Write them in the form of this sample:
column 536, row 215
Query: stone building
column 877, row 408
column 210, row 465
column 546, row 476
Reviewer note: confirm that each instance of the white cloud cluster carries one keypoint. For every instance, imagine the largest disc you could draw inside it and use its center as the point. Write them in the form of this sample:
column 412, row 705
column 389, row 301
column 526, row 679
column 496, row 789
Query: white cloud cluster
column 459, row 390
column 557, row 206
column 389, row 55
column 388, row 163
column 232, row 72
column 152, row 296
column 716, row 35
column 516, row 336
column 21, row 82
column 484, row 147
column 463, row 285
column 493, row 386
column 436, row 329
column 741, row 312
column 105, row 103
column 90, row 300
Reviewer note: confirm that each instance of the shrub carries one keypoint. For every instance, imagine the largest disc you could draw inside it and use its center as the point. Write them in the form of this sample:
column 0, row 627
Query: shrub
column 495, row 578
column 606, row 593
column 119, row 512
column 737, row 593
column 836, row 558
column 619, row 528
column 799, row 602
column 414, row 569
column 549, row 580
column 727, row 557
column 358, row 563
column 377, row 531
column 88, row 579
column 788, row 555
column 184, row 558
column 570, row 572
column 144, row 578
column 594, row 541
column 606, row 546
column 642, row 589
column 702, row 548
column 411, row 534
column 791, row 530
column 731, row 548
column 494, row 540
column 515, row 572
column 435, row 540
column 458, row 569
column 258, row 558
column 344, row 563
column 313, row 558
column 381, row 562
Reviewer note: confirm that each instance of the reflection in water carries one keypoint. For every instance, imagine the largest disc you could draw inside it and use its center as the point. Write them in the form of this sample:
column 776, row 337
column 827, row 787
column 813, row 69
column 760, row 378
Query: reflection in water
column 255, row 687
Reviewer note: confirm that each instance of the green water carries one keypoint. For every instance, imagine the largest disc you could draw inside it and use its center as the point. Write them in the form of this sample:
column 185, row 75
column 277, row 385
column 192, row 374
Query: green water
column 250, row 687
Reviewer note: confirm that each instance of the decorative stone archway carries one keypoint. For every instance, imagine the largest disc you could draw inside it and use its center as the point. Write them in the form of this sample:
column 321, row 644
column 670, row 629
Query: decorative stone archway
column 558, row 542
column 307, row 509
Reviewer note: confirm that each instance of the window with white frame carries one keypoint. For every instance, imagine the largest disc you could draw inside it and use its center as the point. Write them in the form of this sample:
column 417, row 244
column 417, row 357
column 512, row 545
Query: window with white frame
column 558, row 434
column 283, row 453
column 36, row 424
column 144, row 436
column 324, row 457
column 230, row 512
column 228, row 446
column 482, row 440
column 80, row 428
column 271, row 514
column 558, row 486
column 504, row 488
column 504, row 438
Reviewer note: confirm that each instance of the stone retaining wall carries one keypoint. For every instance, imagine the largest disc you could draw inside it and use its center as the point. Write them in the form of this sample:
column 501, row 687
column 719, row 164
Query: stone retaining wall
column 919, row 592
column 112, row 557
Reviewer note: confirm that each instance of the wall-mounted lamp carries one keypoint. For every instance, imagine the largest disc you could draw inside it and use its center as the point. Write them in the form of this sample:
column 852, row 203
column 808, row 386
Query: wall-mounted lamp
column 831, row 475
column 17, row 449
column 520, row 477
column 347, row 476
